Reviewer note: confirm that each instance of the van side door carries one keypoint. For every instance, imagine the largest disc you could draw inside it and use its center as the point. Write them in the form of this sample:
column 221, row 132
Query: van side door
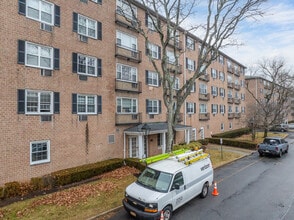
column 178, row 190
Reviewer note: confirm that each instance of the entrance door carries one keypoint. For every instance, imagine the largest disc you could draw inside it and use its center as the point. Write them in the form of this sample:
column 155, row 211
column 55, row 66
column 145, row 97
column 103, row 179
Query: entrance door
column 134, row 147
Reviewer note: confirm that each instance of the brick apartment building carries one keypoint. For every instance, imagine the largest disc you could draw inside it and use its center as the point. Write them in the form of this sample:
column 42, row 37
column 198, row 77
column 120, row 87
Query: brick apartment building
column 260, row 86
column 77, row 87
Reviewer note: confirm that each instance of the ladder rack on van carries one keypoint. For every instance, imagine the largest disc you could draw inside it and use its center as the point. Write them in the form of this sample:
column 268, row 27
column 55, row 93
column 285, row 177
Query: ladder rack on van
column 192, row 157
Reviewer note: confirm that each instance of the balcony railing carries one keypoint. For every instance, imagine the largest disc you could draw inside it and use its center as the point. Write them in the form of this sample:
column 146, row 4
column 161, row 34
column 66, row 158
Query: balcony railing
column 178, row 44
column 230, row 100
column 174, row 68
column 205, row 78
column 135, row 87
column 237, row 101
column 230, row 85
column 124, row 119
column 237, row 86
column 204, row 97
column 230, row 69
column 129, row 23
column 231, row 115
column 237, row 114
column 237, row 72
column 204, row 116
column 128, row 54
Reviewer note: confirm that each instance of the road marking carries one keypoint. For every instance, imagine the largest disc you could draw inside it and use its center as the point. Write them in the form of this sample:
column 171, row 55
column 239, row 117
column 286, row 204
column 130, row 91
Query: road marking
column 238, row 171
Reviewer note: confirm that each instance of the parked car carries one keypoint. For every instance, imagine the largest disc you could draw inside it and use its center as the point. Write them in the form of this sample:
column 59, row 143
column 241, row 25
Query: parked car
column 280, row 128
column 273, row 145
column 291, row 126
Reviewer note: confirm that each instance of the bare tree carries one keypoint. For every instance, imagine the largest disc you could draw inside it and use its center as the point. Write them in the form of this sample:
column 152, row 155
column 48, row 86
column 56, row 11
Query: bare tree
column 271, row 108
column 167, row 17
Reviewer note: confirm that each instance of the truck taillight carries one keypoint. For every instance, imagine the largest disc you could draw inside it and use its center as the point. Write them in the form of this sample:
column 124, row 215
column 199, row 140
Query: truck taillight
column 277, row 149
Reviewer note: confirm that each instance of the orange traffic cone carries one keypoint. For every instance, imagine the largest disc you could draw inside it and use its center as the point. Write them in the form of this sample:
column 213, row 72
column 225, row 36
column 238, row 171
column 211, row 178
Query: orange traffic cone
column 215, row 192
column 161, row 215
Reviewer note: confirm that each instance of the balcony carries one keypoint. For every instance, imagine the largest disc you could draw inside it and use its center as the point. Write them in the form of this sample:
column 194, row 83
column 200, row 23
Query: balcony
column 124, row 119
column 128, row 54
column 177, row 43
column 204, row 97
column 230, row 100
column 177, row 69
column 237, row 115
column 237, row 87
column 135, row 87
column 128, row 23
column 231, row 115
column 237, row 73
column 205, row 78
column 230, row 85
column 230, row 69
column 237, row 101
column 204, row 116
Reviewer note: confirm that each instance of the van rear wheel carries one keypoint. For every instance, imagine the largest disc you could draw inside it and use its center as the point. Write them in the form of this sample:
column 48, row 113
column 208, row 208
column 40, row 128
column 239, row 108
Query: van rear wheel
column 204, row 191
column 167, row 213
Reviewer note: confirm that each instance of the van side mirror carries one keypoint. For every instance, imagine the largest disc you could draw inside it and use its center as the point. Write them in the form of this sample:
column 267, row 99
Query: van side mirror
column 176, row 186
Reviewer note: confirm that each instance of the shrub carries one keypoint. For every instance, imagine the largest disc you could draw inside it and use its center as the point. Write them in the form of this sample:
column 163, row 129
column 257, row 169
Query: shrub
column 134, row 162
column 234, row 143
column 1, row 193
column 12, row 189
column 233, row 133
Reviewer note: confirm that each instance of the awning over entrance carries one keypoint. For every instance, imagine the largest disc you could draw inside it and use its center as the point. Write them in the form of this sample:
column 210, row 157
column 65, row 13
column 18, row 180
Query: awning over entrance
column 154, row 128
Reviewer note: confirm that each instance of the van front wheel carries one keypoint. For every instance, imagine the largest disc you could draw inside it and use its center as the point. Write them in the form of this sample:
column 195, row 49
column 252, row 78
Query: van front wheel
column 204, row 191
column 167, row 213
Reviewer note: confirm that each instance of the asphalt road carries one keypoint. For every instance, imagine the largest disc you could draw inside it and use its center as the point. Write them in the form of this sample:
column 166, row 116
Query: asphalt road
column 254, row 187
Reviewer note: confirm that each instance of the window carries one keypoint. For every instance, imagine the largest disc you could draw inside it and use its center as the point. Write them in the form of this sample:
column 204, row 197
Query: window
column 202, row 88
column 236, row 95
column 237, row 82
column 214, row 108
column 222, row 126
column 237, row 109
column 230, row 125
column 171, row 57
column 126, row 41
column 190, row 64
column 123, row 8
column 86, row 104
column 39, row 56
column 214, row 91
column 243, row 109
column 87, row 27
column 230, row 110
column 178, row 180
column 39, row 102
column 191, row 107
column 152, row 78
column 222, row 92
column 203, row 108
column 230, row 94
column 221, row 59
column 176, row 83
column 214, row 73
column 242, row 96
column 153, row 106
column 153, row 51
column 126, row 73
column 160, row 137
column 39, row 152
column 230, row 79
column 222, row 109
column 39, row 10
column 150, row 21
column 190, row 43
column 86, row 65
column 242, row 83
column 222, row 76
column 126, row 105
column 193, row 88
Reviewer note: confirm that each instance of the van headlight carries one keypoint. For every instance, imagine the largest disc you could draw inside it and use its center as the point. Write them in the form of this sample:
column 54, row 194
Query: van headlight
column 151, row 207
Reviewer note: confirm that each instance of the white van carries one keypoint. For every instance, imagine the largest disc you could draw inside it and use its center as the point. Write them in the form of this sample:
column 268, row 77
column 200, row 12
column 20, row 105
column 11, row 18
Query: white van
column 168, row 184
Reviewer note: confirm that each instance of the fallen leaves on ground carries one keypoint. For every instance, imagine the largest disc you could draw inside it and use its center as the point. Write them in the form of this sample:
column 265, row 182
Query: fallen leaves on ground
column 81, row 193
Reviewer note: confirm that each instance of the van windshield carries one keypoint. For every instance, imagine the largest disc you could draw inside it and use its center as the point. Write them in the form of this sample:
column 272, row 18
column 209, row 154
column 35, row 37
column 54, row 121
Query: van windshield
column 154, row 179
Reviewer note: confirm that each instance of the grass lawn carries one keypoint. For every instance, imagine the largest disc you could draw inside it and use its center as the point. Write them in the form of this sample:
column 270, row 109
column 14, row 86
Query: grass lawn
column 259, row 136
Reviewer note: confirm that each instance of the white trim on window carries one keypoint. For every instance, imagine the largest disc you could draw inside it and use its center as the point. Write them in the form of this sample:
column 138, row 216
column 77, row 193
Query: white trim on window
column 86, row 104
column 38, row 102
column 153, row 50
column 39, row 56
column 41, row 11
column 152, row 78
column 39, row 152
column 126, row 105
column 87, row 26
column 87, row 65
column 126, row 73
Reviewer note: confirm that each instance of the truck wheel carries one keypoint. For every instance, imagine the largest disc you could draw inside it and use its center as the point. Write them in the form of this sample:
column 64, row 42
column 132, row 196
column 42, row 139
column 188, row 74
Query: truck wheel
column 280, row 153
column 167, row 213
column 260, row 154
column 204, row 191
column 286, row 151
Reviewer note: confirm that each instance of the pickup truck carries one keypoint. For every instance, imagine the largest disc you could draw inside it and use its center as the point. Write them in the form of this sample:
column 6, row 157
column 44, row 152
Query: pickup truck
column 273, row 145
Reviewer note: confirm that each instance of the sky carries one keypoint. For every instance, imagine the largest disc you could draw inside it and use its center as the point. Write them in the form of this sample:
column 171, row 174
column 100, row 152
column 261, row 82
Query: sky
column 270, row 36
column 267, row 37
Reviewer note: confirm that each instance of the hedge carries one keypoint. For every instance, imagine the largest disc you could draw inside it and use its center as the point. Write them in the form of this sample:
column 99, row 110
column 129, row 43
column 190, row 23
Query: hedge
column 234, row 143
column 232, row 133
